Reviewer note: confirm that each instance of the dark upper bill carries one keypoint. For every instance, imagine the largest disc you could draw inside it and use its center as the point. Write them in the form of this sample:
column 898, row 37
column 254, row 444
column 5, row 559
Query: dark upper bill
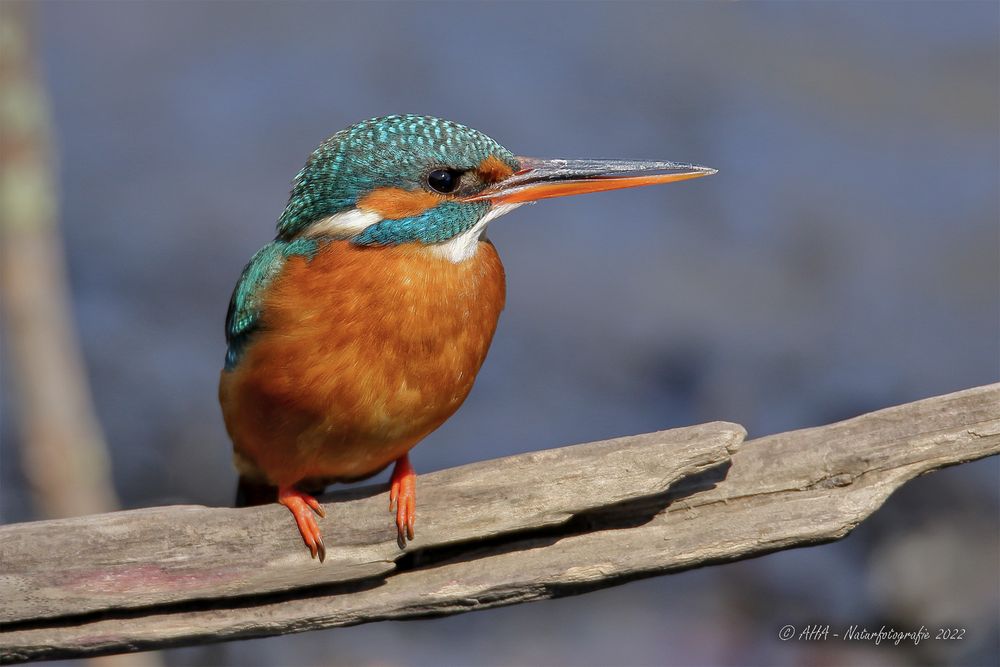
column 541, row 179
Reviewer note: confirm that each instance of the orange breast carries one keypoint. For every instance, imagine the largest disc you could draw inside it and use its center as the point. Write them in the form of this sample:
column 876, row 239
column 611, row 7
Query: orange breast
column 362, row 352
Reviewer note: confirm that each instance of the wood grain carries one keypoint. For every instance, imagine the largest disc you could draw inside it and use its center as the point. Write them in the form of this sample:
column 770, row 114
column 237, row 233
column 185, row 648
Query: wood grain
column 724, row 503
column 167, row 555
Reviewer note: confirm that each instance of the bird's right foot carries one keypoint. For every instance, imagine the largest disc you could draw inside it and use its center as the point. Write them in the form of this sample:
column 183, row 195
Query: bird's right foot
column 403, row 499
column 305, row 508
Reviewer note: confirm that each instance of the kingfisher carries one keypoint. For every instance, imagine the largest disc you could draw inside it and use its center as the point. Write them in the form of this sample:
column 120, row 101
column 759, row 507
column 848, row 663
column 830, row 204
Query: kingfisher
column 361, row 327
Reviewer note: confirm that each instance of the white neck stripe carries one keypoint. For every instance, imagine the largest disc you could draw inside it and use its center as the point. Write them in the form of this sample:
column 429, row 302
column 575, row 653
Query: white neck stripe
column 345, row 224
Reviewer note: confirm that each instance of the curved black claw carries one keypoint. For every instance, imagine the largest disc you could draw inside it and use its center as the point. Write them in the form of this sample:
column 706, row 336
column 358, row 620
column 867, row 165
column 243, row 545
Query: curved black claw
column 320, row 548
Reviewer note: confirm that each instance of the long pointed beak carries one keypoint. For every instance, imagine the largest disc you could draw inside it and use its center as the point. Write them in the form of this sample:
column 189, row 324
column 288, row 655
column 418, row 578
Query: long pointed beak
column 541, row 179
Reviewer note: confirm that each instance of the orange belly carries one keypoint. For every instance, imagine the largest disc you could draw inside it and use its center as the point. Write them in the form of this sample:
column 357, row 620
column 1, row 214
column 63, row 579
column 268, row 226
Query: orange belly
column 362, row 352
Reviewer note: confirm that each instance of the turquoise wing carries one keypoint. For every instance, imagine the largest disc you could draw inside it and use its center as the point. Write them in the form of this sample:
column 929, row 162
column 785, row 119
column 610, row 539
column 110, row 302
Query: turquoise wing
column 243, row 317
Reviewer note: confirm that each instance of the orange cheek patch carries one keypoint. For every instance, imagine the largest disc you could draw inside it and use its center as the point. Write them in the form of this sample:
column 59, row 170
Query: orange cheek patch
column 493, row 170
column 396, row 203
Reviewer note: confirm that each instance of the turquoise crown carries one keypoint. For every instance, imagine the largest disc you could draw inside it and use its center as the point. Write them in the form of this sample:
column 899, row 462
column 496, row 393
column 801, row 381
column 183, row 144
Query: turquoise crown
column 391, row 151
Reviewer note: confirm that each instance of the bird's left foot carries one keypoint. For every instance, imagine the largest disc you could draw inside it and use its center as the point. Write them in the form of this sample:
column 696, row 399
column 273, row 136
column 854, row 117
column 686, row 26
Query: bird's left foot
column 403, row 499
column 303, row 506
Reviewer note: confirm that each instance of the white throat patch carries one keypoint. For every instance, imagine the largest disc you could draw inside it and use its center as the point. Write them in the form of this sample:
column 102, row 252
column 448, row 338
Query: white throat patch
column 460, row 248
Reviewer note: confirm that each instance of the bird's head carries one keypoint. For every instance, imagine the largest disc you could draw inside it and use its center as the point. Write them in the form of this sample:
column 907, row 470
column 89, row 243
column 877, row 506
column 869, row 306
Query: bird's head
column 418, row 179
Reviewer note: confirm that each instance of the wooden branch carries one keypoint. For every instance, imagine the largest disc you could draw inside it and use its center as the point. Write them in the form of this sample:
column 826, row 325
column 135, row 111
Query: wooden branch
column 528, row 527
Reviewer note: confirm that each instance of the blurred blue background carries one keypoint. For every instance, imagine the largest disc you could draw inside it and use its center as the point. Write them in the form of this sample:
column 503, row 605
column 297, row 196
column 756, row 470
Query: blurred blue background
column 844, row 259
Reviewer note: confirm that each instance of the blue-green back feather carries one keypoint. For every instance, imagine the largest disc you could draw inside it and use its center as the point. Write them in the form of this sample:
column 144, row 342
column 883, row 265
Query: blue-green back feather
column 243, row 317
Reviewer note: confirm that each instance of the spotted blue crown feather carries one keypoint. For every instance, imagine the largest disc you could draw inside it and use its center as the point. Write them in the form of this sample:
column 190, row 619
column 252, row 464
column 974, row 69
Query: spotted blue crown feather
column 392, row 151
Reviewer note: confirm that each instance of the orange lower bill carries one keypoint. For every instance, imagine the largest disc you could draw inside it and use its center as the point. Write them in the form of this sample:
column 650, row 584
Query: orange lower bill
column 547, row 190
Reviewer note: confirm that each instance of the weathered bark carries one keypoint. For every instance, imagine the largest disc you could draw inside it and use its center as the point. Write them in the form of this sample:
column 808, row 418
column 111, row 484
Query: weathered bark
column 528, row 527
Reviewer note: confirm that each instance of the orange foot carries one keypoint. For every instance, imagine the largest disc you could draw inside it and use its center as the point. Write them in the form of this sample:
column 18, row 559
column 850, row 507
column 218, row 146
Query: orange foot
column 403, row 499
column 302, row 506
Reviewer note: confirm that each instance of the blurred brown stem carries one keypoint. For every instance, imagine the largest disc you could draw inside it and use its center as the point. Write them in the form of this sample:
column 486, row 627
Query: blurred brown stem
column 64, row 454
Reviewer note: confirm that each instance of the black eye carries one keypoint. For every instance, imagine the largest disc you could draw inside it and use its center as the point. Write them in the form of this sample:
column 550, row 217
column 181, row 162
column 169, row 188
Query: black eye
column 444, row 180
